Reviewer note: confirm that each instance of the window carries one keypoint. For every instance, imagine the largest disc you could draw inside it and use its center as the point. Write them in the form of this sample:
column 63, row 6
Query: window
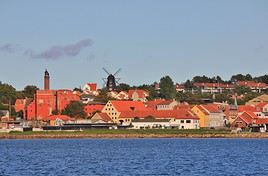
column 188, row 121
column 182, row 121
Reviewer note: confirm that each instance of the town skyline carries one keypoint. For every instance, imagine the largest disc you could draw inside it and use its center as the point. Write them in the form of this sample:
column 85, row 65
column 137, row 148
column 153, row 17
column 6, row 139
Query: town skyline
column 179, row 39
column 133, row 87
column 195, row 79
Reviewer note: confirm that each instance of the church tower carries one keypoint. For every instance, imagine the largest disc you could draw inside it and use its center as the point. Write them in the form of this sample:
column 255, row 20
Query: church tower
column 46, row 80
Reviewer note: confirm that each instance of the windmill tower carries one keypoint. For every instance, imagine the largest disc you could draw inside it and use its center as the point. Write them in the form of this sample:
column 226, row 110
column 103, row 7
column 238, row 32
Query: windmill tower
column 111, row 80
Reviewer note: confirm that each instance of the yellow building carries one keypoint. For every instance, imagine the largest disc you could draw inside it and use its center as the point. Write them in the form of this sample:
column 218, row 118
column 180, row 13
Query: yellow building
column 203, row 119
column 209, row 115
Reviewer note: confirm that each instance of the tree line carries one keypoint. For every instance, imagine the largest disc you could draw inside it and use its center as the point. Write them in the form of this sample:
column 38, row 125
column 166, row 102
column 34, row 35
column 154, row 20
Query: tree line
column 8, row 94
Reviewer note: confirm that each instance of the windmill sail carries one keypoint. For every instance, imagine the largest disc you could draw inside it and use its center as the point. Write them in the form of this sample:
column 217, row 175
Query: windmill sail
column 111, row 80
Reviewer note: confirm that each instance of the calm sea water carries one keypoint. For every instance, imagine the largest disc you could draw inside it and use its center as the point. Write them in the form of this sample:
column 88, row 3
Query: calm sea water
column 134, row 157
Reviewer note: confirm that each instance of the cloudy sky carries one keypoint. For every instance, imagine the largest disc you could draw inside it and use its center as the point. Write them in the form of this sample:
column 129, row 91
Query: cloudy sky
column 146, row 38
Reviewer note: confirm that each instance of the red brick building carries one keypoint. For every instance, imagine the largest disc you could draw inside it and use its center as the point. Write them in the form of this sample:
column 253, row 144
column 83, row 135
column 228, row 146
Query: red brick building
column 46, row 101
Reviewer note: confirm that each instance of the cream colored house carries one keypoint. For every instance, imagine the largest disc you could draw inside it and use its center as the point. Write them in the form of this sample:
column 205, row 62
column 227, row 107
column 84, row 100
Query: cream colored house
column 167, row 105
column 101, row 118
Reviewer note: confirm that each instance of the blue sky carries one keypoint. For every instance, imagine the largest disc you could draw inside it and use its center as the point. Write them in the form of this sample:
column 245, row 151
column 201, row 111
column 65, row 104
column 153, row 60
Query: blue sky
column 148, row 39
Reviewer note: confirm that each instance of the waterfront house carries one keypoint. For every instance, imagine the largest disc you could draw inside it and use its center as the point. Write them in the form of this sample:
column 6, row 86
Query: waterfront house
column 244, row 120
column 210, row 115
column 250, row 120
column 57, row 120
column 101, row 118
column 181, row 119
column 150, row 122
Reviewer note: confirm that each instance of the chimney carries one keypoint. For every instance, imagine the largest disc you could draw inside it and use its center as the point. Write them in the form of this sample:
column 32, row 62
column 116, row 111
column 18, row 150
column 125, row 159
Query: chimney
column 46, row 80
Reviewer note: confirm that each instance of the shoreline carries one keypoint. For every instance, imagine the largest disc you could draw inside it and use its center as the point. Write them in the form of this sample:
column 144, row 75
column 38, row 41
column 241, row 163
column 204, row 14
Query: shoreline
column 129, row 136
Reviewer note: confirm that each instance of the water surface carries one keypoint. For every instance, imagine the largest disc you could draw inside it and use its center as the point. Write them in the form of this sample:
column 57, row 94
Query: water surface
column 134, row 157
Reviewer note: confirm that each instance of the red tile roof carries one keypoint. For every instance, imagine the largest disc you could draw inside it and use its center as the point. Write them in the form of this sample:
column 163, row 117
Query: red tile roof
column 141, row 93
column 165, row 102
column 212, row 108
column 248, row 117
column 261, row 105
column 105, row 117
column 249, row 108
column 178, row 114
column 251, row 84
column 154, row 103
column 214, row 85
column 93, row 86
column 128, row 105
column 209, row 108
column 182, row 106
column 93, row 108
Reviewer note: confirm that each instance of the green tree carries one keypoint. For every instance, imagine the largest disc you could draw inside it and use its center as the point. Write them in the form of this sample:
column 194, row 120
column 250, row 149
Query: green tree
column 241, row 77
column 198, row 79
column 123, row 87
column 30, row 90
column 6, row 107
column 188, row 84
column 7, row 92
column 182, row 96
column 20, row 114
column 1, row 114
column 103, row 96
column 223, row 98
column 167, row 88
column 263, row 79
column 74, row 109
column 240, row 90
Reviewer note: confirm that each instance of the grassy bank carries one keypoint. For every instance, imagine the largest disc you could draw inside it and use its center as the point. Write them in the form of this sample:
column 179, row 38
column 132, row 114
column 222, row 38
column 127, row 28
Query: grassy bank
column 131, row 133
column 125, row 131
